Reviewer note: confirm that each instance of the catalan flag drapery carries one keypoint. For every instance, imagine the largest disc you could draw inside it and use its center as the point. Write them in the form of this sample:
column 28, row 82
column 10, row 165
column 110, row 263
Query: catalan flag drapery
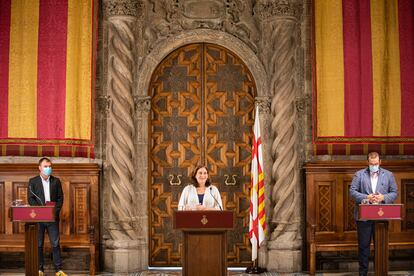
column 257, row 225
column 47, row 50
column 363, row 76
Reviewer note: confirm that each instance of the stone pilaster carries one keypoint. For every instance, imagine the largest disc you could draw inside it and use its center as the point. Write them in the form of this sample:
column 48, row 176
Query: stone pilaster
column 123, row 246
column 279, row 21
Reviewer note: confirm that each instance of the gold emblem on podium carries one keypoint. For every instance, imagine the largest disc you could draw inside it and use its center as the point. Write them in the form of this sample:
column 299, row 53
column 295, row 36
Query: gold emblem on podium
column 33, row 214
column 380, row 212
column 204, row 220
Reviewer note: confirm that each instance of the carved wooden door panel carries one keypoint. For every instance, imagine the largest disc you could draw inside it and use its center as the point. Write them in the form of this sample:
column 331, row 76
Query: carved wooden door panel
column 202, row 113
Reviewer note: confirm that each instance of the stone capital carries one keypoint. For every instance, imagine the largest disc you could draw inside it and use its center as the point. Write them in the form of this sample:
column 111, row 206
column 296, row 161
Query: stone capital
column 263, row 103
column 132, row 8
column 142, row 104
column 270, row 9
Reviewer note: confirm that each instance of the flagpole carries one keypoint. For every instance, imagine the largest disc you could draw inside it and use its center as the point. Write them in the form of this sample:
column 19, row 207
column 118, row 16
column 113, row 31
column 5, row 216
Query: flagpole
column 257, row 224
column 255, row 269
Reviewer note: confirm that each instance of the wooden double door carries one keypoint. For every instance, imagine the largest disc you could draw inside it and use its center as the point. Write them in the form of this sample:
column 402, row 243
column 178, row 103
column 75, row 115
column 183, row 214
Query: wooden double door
column 202, row 112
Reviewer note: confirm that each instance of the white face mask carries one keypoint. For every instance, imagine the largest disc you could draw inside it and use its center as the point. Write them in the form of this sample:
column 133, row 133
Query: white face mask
column 373, row 168
column 47, row 171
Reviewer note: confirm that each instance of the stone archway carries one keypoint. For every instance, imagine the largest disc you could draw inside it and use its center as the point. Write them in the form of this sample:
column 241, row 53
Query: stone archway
column 150, row 63
column 129, row 65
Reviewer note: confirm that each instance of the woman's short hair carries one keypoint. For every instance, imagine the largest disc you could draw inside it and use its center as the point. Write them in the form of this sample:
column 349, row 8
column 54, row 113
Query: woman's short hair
column 194, row 179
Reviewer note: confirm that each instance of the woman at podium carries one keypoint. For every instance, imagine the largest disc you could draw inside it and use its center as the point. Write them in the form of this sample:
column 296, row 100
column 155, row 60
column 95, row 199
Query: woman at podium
column 200, row 194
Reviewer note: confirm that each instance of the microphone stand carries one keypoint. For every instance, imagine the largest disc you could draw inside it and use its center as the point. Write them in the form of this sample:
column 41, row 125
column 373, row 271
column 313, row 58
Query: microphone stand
column 215, row 199
column 30, row 189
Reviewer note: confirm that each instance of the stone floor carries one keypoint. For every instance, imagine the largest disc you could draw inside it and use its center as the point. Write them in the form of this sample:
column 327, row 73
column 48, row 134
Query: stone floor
column 178, row 273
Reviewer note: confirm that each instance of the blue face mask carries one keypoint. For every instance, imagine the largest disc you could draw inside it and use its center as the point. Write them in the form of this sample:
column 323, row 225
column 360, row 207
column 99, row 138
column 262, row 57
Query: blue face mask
column 373, row 168
column 47, row 171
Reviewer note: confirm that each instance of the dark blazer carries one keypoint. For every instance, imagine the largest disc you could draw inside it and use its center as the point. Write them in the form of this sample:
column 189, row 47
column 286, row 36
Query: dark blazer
column 36, row 194
column 361, row 187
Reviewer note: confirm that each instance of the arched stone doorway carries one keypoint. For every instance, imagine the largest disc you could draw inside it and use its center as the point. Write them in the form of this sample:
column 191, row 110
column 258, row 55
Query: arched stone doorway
column 201, row 113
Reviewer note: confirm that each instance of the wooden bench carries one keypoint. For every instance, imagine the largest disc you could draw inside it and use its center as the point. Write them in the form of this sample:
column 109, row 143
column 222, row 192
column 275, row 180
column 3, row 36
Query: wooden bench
column 330, row 223
column 79, row 217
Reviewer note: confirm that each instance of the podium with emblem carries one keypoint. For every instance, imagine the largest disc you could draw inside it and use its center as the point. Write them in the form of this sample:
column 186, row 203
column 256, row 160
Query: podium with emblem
column 204, row 250
column 381, row 214
column 31, row 215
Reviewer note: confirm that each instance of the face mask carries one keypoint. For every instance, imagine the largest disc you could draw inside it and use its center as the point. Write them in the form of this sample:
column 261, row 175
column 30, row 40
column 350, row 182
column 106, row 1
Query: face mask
column 373, row 168
column 47, row 171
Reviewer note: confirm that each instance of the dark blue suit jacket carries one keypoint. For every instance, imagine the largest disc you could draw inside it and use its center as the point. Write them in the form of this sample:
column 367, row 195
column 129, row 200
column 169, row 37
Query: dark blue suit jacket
column 361, row 187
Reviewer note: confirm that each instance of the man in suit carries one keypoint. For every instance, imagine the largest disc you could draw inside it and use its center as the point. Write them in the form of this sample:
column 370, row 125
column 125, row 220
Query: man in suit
column 43, row 189
column 372, row 185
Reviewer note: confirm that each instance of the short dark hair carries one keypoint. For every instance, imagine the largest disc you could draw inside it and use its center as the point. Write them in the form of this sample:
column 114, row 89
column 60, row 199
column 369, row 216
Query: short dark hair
column 44, row 159
column 194, row 179
column 373, row 155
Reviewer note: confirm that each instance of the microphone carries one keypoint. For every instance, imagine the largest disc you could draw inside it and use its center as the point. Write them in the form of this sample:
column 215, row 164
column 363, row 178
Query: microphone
column 215, row 199
column 30, row 189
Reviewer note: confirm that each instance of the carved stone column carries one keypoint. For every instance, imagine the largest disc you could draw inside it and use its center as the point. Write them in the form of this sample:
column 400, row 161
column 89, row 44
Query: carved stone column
column 279, row 21
column 121, row 245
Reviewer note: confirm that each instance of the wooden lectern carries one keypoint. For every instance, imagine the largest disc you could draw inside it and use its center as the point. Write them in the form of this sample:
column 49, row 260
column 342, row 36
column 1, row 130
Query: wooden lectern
column 31, row 215
column 381, row 214
column 205, row 245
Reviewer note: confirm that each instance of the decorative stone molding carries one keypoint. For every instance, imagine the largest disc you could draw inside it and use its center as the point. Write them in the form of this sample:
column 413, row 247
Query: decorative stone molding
column 266, row 9
column 103, row 104
column 123, row 8
column 279, row 54
column 166, row 18
column 165, row 47
column 142, row 104
column 120, row 149
column 264, row 104
column 302, row 103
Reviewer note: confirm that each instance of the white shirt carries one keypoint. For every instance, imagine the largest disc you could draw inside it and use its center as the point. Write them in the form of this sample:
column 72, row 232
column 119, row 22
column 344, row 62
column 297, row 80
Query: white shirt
column 189, row 198
column 374, row 181
column 46, row 188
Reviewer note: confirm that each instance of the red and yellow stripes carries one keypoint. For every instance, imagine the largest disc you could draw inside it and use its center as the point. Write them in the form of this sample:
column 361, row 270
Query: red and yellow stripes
column 257, row 216
column 364, row 61
column 46, row 71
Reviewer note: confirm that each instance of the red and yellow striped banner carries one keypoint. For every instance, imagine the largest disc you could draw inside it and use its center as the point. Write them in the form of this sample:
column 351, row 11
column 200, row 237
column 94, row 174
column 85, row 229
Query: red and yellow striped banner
column 47, row 61
column 363, row 73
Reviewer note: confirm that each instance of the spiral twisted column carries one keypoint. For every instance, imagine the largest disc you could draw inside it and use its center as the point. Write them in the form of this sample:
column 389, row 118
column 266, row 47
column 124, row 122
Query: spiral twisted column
column 279, row 47
column 121, row 129
column 284, row 167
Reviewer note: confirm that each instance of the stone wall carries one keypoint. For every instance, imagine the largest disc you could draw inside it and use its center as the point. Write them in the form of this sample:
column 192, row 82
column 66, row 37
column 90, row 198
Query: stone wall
column 135, row 36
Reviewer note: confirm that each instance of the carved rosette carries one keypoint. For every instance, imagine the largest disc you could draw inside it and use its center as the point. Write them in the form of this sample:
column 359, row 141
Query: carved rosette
column 279, row 56
column 121, row 130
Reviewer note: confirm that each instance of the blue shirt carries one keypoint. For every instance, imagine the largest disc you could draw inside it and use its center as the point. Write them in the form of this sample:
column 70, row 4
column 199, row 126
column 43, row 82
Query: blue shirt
column 200, row 198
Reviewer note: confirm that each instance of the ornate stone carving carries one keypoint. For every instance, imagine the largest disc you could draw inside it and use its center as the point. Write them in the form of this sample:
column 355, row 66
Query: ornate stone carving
column 264, row 104
column 142, row 104
column 266, row 9
column 302, row 103
column 279, row 55
column 121, row 129
column 103, row 104
column 169, row 17
column 123, row 7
